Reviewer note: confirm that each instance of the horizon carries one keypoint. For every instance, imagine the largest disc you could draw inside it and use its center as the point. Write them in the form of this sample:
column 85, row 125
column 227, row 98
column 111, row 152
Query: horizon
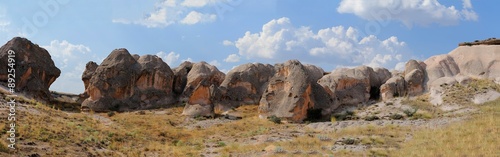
column 228, row 33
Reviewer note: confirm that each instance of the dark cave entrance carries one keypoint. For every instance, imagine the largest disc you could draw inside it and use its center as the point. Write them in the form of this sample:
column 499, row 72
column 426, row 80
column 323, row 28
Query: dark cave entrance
column 314, row 115
column 374, row 93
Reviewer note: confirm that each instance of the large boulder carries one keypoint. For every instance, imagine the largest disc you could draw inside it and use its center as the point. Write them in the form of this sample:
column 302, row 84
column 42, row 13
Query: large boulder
column 414, row 77
column 481, row 61
column 180, row 76
column 354, row 86
column 122, row 83
column 90, row 68
column 244, row 85
column 440, row 66
column 202, row 81
column 294, row 95
column 394, row 87
column 34, row 69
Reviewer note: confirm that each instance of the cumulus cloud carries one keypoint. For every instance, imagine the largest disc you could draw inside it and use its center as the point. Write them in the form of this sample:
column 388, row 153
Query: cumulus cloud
column 168, row 12
column 195, row 17
column 232, row 58
column 227, row 43
column 170, row 58
column 215, row 63
column 420, row 12
column 71, row 59
column 280, row 40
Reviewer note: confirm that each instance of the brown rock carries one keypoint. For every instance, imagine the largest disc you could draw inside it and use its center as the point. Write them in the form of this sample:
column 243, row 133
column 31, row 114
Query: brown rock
column 202, row 81
column 90, row 68
column 244, row 85
column 354, row 86
column 34, row 69
column 294, row 95
column 414, row 77
column 122, row 83
column 180, row 78
column 394, row 87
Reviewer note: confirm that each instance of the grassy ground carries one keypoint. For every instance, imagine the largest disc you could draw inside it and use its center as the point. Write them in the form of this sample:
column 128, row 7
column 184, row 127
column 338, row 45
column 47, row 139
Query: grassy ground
column 479, row 136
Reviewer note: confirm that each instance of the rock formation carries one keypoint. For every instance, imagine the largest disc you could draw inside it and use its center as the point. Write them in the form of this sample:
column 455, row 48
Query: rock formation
column 294, row 95
column 202, row 81
column 414, row 77
column 244, row 85
column 180, row 76
column 354, row 86
column 490, row 41
column 34, row 69
column 123, row 83
column 90, row 68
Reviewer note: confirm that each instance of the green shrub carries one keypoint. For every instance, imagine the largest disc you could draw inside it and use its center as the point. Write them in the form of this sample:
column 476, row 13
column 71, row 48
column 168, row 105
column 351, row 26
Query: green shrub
column 371, row 118
column 396, row 116
column 111, row 113
column 274, row 119
column 410, row 112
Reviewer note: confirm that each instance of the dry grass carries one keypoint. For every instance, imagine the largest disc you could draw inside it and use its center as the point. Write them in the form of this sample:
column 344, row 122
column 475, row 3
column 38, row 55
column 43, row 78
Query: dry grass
column 462, row 94
column 476, row 137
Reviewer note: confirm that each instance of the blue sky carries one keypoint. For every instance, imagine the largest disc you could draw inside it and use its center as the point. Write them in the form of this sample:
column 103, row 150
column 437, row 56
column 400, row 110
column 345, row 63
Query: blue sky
column 227, row 33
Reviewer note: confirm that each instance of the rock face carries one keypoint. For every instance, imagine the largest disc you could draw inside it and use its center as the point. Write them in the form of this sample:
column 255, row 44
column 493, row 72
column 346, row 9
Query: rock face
column 294, row 95
column 414, row 77
column 90, row 68
column 354, row 86
column 244, row 85
column 180, row 76
column 202, row 81
column 34, row 69
column 394, row 87
column 122, row 83
column 440, row 66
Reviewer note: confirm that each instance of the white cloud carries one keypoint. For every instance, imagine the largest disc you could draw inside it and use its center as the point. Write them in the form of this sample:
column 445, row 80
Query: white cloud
column 70, row 59
column 280, row 40
column 227, row 43
column 168, row 12
column 232, row 58
column 215, row 63
column 409, row 12
column 195, row 17
column 170, row 58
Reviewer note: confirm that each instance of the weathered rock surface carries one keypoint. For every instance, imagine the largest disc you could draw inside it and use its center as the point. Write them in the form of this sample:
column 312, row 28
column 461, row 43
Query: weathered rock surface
column 490, row 41
column 244, row 85
column 180, row 76
column 122, row 83
column 414, row 77
column 294, row 94
column 202, row 81
column 354, row 86
column 440, row 66
column 90, row 68
column 394, row 87
column 34, row 69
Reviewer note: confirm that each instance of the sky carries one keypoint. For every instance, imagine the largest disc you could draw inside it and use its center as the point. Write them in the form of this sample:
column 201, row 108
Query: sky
column 228, row 33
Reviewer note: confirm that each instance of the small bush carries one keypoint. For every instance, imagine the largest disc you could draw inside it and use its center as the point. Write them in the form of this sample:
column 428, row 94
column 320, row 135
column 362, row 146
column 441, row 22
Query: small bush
column 221, row 144
column 371, row 118
column 396, row 116
column 410, row 112
column 350, row 141
column 3, row 148
column 324, row 138
column 347, row 115
column 111, row 113
column 279, row 150
column 422, row 115
column 275, row 119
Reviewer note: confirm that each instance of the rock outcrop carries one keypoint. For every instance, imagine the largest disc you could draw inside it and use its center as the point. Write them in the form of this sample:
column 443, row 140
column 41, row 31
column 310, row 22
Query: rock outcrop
column 122, row 83
column 180, row 76
column 490, row 41
column 294, row 94
column 202, row 81
column 34, row 69
column 355, row 86
column 414, row 77
column 244, row 85
column 90, row 68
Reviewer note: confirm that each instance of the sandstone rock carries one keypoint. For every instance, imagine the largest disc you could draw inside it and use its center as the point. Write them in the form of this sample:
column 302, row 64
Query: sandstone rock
column 294, row 95
column 354, row 86
column 316, row 72
column 180, row 78
column 414, row 77
column 481, row 61
column 90, row 68
column 244, row 85
column 436, row 89
column 202, row 81
column 440, row 66
column 122, row 83
column 394, row 87
column 489, row 41
column 34, row 69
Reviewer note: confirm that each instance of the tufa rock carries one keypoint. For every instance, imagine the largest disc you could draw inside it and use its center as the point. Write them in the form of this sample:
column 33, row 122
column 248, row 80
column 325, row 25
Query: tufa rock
column 394, row 87
column 414, row 77
column 202, row 81
column 180, row 76
column 354, row 86
column 90, row 68
column 34, row 69
column 122, row 83
column 294, row 95
column 244, row 85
